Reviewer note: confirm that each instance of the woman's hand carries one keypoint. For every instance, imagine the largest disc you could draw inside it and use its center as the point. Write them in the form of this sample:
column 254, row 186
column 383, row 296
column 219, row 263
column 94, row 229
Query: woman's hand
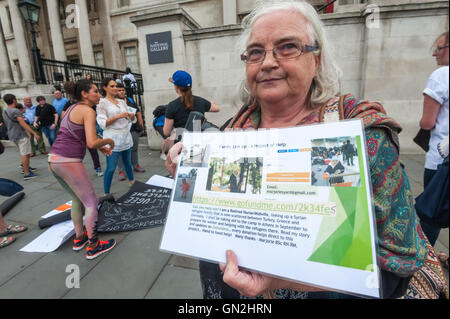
column 173, row 157
column 253, row 284
column 123, row 115
column 107, row 151
column 131, row 116
column 110, row 142
column 248, row 283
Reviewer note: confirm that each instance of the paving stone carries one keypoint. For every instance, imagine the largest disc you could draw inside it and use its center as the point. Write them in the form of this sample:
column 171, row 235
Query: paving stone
column 185, row 262
column 177, row 283
column 128, row 271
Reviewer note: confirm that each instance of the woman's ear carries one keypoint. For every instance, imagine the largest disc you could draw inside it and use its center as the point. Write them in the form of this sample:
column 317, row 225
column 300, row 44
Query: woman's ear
column 318, row 60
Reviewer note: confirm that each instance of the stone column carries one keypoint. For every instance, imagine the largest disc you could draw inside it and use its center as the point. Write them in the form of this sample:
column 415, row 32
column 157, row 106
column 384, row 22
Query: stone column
column 229, row 12
column 59, row 50
column 5, row 20
column 5, row 66
column 23, row 52
column 110, row 48
column 84, row 34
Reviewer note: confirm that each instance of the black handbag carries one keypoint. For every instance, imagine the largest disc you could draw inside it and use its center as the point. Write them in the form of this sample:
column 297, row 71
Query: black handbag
column 2, row 148
column 432, row 205
column 423, row 139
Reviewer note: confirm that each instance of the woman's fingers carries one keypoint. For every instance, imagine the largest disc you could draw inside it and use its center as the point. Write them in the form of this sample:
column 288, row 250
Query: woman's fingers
column 246, row 282
column 172, row 158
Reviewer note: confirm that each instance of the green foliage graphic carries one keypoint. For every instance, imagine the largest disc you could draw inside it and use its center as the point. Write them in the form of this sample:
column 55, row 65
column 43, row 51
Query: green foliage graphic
column 349, row 245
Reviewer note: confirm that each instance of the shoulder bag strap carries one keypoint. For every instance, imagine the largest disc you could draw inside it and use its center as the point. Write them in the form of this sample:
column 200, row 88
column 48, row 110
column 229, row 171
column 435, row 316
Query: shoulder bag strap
column 332, row 111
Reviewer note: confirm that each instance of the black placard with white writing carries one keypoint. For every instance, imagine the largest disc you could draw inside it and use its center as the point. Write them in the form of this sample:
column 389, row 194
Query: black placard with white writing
column 144, row 206
column 159, row 47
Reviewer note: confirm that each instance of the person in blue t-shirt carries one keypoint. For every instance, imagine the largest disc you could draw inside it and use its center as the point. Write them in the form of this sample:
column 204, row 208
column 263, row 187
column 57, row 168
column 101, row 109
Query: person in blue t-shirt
column 59, row 102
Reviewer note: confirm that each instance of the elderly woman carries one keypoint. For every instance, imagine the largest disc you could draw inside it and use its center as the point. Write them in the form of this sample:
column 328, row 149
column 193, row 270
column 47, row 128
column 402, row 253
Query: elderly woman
column 291, row 79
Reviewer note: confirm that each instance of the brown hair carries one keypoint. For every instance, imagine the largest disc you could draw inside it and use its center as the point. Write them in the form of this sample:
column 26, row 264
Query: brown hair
column 74, row 89
column 186, row 97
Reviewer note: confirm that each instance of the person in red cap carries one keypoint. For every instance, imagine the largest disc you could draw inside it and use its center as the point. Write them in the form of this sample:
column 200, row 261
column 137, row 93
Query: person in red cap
column 177, row 112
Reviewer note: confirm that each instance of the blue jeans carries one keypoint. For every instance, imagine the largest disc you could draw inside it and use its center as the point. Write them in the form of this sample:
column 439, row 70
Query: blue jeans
column 50, row 134
column 111, row 164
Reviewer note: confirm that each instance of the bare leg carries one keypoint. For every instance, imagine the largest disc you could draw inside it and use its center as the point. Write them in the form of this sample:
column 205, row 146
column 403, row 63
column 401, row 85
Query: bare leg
column 26, row 164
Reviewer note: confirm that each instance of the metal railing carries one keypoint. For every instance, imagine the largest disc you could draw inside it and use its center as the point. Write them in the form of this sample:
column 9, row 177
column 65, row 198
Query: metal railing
column 58, row 72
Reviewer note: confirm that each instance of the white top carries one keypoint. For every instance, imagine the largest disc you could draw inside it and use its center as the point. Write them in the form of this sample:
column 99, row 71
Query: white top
column 437, row 89
column 131, row 78
column 118, row 131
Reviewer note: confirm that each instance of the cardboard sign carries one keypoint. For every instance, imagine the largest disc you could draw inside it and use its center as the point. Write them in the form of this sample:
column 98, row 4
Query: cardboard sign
column 144, row 206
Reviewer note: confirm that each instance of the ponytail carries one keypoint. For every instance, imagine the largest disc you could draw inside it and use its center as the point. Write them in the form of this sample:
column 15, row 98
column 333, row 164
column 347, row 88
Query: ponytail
column 187, row 98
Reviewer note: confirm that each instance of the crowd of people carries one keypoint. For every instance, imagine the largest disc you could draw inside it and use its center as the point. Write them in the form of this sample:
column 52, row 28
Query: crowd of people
column 347, row 150
column 110, row 122
column 290, row 78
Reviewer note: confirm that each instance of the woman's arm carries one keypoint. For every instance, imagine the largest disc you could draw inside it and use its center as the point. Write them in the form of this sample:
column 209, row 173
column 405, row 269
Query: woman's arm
column 92, row 140
column 102, row 116
column 431, row 109
column 214, row 107
column 140, row 119
column 168, row 126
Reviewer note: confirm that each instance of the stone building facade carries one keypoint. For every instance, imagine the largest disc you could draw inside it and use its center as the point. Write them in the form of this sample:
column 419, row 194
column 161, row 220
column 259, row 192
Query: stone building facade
column 383, row 48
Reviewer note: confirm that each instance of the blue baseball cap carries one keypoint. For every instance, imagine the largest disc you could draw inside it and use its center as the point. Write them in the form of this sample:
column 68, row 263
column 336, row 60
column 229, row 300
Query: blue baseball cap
column 182, row 79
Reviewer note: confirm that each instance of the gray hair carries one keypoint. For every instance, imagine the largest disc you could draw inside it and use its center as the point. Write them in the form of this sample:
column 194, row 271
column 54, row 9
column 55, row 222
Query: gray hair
column 326, row 84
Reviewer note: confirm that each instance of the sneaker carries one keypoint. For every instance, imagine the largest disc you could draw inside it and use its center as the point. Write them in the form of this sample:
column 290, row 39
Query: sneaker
column 163, row 156
column 139, row 169
column 99, row 172
column 29, row 176
column 32, row 169
column 122, row 176
column 78, row 244
column 101, row 248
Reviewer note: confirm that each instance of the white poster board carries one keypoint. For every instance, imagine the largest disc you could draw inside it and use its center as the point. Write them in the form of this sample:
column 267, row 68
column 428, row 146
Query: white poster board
column 289, row 202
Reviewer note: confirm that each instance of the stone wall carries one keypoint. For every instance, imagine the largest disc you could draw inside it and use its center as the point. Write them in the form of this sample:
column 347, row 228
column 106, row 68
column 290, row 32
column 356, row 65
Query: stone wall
column 389, row 62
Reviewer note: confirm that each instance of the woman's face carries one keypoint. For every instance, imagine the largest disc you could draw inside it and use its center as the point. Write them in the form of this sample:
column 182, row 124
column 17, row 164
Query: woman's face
column 111, row 88
column 272, row 81
column 441, row 53
column 93, row 96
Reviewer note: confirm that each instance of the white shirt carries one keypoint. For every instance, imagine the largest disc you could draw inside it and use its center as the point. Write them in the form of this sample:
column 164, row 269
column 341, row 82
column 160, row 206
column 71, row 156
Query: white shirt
column 437, row 89
column 118, row 131
column 131, row 78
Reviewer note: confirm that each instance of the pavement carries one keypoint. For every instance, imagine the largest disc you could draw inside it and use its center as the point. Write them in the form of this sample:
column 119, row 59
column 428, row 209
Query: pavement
column 134, row 269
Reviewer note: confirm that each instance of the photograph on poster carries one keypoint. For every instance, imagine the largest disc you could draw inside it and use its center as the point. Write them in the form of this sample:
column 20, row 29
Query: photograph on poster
column 184, row 188
column 242, row 176
column 195, row 156
column 334, row 162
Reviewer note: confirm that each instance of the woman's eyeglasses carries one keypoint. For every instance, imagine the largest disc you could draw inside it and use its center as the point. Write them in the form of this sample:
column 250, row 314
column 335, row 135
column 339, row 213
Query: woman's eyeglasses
column 438, row 49
column 283, row 51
